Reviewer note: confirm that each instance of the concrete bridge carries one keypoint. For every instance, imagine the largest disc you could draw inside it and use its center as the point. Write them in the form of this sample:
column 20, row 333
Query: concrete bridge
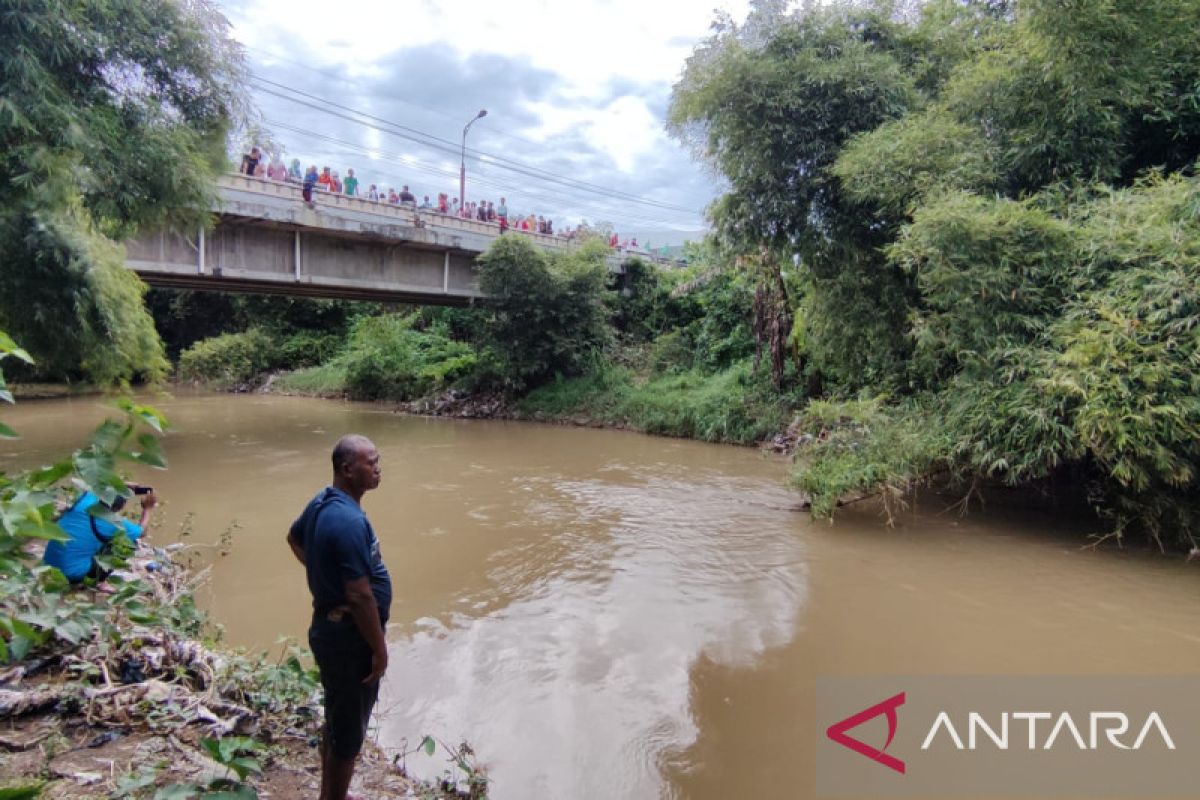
column 268, row 241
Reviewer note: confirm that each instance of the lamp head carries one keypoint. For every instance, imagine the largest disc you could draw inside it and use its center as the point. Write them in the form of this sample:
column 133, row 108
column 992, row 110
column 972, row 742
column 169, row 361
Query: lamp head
column 482, row 113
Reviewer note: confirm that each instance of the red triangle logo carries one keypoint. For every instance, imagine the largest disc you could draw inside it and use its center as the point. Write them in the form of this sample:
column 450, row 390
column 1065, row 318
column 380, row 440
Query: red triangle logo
column 837, row 732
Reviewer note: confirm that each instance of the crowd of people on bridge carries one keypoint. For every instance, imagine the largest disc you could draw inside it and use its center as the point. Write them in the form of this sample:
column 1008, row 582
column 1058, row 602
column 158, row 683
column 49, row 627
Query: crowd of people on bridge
column 257, row 164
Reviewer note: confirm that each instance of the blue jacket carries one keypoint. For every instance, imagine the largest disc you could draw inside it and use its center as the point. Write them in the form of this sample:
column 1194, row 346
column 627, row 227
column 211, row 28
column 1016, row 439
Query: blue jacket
column 88, row 534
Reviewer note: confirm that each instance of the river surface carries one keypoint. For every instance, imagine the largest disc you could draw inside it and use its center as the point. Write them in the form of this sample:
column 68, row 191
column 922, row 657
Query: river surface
column 609, row 615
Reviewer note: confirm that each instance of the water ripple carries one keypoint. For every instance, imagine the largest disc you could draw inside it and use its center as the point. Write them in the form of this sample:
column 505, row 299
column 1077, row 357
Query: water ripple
column 578, row 683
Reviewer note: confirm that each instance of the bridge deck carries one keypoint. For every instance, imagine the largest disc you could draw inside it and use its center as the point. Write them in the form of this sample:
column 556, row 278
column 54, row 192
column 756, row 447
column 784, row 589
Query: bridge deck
column 268, row 240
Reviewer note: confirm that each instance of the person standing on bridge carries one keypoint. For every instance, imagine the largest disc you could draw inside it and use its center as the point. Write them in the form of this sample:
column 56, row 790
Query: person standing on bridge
column 352, row 596
column 351, row 184
column 250, row 161
column 310, row 181
column 278, row 171
column 502, row 214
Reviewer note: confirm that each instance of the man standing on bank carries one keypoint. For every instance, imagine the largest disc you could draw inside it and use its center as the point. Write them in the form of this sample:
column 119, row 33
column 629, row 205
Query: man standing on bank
column 352, row 595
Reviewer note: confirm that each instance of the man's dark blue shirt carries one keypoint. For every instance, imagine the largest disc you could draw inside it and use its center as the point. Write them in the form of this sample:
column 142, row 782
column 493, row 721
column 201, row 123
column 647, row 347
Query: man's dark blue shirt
column 340, row 545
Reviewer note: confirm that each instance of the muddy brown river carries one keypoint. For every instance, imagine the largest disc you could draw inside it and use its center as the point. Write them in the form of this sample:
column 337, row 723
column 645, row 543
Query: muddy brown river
column 609, row 615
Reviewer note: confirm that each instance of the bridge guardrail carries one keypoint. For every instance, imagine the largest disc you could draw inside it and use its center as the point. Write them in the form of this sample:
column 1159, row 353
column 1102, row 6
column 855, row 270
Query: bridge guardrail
column 415, row 217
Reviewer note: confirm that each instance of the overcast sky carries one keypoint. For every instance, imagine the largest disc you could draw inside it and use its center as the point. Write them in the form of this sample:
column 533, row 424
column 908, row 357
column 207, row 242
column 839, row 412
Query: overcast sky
column 574, row 88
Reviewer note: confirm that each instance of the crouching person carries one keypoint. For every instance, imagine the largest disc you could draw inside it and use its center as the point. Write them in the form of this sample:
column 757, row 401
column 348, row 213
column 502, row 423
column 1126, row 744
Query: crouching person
column 90, row 536
column 352, row 595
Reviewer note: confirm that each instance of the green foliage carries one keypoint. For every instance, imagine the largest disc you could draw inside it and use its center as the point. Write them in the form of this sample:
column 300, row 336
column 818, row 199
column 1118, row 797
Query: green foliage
column 863, row 447
column 230, row 359
column 642, row 303
column 728, row 406
column 235, row 753
column 901, row 161
column 544, row 317
column 991, row 272
column 771, row 104
column 326, row 380
column 387, row 358
column 992, row 227
column 309, row 348
column 310, row 331
column 26, row 791
column 37, row 612
column 113, row 116
column 721, row 332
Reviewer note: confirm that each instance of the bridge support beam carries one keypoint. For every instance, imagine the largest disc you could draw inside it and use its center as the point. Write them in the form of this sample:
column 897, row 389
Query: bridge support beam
column 296, row 264
column 200, row 252
column 446, row 274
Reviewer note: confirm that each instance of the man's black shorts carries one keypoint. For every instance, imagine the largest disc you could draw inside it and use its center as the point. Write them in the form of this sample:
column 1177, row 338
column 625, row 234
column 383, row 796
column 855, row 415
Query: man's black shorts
column 344, row 658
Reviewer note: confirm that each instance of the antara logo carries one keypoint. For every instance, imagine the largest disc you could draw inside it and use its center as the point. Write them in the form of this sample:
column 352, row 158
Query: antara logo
column 837, row 732
column 1102, row 728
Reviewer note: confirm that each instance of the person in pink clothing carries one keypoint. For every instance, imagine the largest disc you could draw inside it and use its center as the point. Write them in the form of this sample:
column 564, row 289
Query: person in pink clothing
column 278, row 170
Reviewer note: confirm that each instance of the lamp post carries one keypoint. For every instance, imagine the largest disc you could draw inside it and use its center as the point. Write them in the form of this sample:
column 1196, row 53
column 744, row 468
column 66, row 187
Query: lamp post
column 462, row 170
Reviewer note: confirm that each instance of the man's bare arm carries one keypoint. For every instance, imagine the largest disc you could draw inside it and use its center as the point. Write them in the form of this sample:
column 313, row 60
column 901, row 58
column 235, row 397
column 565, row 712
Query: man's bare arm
column 361, row 601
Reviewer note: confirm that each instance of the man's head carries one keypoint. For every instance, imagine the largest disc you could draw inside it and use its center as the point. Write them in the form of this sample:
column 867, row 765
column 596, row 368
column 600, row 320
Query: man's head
column 355, row 465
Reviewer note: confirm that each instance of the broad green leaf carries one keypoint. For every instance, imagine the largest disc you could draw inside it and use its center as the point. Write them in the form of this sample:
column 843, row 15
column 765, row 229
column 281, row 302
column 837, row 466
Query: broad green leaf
column 9, row 348
column 19, row 647
column 428, row 745
column 150, row 452
column 47, row 476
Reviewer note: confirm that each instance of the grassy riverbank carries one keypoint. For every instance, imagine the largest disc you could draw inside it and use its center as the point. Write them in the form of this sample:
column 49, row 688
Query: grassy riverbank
column 728, row 406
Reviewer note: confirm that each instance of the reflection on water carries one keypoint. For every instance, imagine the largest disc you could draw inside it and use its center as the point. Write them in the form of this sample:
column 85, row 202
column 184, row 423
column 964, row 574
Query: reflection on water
column 585, row 676
column 606, row 615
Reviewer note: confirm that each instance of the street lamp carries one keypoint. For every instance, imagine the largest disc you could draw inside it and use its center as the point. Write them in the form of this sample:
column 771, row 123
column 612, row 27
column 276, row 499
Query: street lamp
column 462, row 170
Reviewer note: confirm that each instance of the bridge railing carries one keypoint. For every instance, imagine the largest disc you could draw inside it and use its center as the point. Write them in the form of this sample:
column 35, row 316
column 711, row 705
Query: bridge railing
column 405, row 214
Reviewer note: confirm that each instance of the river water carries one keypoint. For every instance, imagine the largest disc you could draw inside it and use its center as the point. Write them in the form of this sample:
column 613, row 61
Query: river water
column 609, row 615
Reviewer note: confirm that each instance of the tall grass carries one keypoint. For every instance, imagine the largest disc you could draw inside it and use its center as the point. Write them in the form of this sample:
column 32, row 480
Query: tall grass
column 726, row 406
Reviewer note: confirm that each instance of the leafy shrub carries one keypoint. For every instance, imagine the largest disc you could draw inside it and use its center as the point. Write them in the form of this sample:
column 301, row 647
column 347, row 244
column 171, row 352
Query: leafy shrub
column 674, row 351
column 309, row 348
column 862, row 447
column 388, row 359
column 545, row 317
column 230, row 358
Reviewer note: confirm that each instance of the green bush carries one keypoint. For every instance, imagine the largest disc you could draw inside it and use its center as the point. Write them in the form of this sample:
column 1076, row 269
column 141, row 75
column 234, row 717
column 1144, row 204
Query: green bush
column 307, row 348
column 230, row 359
column 388, row 359
column 729, row 406
column 672, row 352
column 544, row 317
column 863, row 447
